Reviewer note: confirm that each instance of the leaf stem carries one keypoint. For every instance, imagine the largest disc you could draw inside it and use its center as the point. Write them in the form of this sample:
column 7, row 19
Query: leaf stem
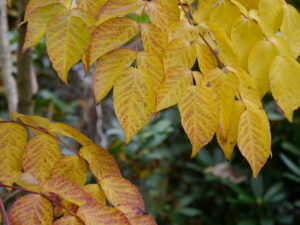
column 4, row 212
column 19, row 188
column 202, row 37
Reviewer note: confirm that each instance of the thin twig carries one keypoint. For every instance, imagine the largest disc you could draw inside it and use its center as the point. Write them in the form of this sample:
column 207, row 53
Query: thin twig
column 19, row 188
column 4, row 212
column 202, row 37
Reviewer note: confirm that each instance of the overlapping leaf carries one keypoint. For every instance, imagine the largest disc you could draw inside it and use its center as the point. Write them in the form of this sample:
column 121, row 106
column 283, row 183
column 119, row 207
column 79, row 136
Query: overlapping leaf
column 96, row 192
column 68, row 220
column 108, row 68
column 134, row 101
column 40, row 155
column 91, row 6
column 31, row 209
column 202, row 9
column 183, row 30
column 206, row 59
column 143, row 220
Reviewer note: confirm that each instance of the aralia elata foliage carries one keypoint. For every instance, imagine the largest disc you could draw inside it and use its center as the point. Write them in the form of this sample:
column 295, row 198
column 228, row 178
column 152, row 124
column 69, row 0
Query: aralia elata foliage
column 244, row 49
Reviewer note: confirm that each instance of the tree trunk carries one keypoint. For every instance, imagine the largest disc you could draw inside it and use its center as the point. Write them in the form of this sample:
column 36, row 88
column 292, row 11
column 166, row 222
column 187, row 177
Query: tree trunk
column 25, row 68
column 6, row 61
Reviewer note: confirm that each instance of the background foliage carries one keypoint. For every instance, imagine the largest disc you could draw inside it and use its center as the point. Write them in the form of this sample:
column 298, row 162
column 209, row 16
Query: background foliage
column 176, row 189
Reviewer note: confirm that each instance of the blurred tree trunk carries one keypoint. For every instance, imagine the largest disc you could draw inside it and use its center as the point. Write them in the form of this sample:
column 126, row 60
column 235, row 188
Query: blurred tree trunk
column 6, row 61
column 26, row 74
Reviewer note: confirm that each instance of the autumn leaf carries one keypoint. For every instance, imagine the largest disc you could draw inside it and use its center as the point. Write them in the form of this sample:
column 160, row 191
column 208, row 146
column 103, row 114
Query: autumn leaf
column 91, row 6
column 40, row 155
column 184, row 30
column 199, row 116
column 31, row 209
column 28, row 181
column 143, row 220
column 108, row 68
column 202, row 9
column 35, row 4
column 68, row 220
column 96, row 192
column 206, row 59
column 134, row 101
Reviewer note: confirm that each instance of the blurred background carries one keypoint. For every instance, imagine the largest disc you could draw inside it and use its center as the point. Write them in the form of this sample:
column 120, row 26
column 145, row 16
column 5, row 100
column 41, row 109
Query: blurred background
column 178, row 190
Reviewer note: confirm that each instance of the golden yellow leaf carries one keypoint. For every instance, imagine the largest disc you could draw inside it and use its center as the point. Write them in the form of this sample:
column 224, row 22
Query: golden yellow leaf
column 37, row 23
column 40, row 155
column 31, row 209
column 34, row 4
column 68, row 220
column 91, row 6
column 244, row 34
column 120, row 191
column 36, row 121
column 202, row 9
column 222, row 86
column 27, row 181
column 259, row 69
column 143, row 220
column 178, row 53
column 68, row 131
column 67, row 190
column 290, row 29
column 151, row 65
column 254, row 138
column 177, row 80
column 96, row 192
column 13, row 138
column 116, row 8
column 102, row 163
column 228, row 144
column 134, row 101
column 163, row 13
column 67, row 38
column 225, row 13
column 198, row 77
column 99, row 214
column 183, row 30
column 206, row 59
column 225, row 50
column 249, row 4
column 270, row 14
column 108, row 68
column 72, row 168
column 285, row 84
column 84, row 16
column 243, row 9
column 110, row 35
column 199, row 116
column 154, row 40
column 281, row 46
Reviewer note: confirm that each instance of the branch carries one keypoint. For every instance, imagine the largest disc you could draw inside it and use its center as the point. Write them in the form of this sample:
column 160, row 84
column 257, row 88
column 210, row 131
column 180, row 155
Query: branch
column 202, row 37
column 4, row 212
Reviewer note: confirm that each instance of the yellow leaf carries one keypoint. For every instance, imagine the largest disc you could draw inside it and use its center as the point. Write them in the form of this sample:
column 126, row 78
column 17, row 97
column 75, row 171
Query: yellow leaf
column 270, row 14
column 99, row 214
column 134, row 101
column 247, row 90
column 31, row 209
column 154, row 40
column 225, row 13
column 198, row 77
column 37, row 23
column 108, row 68
column 120, row 191
column 244, row 34
column 228, row 144
column 254, row 138
column 222, row 87
column 34, row 4
column 177, row 80
column 40, row 155
column 116, row 8
column 36, row 121
column 183, row 30
column 67, row 38
column 72, row 168
column 249, row 4
column 151, row 65
column 84, row 16
column 285, row 84
column 143, row 220
column 224, row 47
column 243, row 9
column 27, row 181
column 178, row 53
column 110, row 35
column 68, row 131
column 259, row 69
column 67, row 190
column 206, row 59
column 202, row 9
column 290, row 28
column 163, row 13
column 199, row 116
column 13, row 138
column 102, row 163
column 91, row 6
column 96, row 192
column 68, row 220
column 281, row 46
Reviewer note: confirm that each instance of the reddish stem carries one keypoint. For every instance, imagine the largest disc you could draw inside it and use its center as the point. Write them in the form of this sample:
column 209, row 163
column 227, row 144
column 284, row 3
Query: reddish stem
column 19, row 188
column 4, row 212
